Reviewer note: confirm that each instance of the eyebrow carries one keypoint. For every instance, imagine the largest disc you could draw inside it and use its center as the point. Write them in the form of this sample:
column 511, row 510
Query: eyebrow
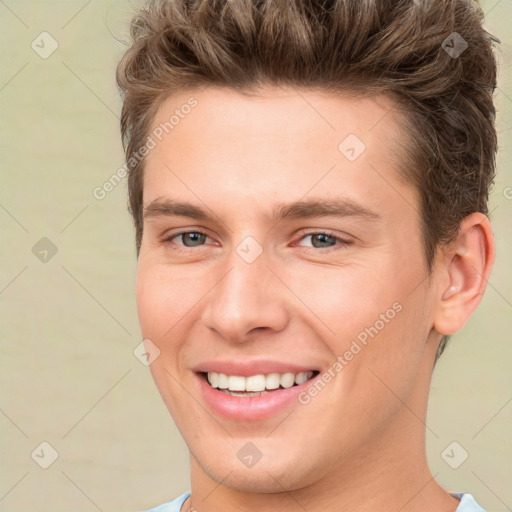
column 306, row 209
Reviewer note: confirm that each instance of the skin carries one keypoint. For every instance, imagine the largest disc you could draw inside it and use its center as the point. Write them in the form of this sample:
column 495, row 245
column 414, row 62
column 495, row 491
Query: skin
column 358, row 445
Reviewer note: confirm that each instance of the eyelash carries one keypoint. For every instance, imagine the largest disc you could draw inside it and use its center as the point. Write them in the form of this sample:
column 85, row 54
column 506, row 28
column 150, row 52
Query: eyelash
column 343, row 243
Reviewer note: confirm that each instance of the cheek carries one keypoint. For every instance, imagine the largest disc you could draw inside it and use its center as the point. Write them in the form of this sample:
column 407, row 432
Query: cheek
column 160, row 305
column 150, row 294
column 385, row 371
column 346, row 301
column 162, row 299
column 167, row 299
column 369, row 314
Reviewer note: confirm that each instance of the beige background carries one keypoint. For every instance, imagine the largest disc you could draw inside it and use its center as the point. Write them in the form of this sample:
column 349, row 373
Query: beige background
column 69, row 325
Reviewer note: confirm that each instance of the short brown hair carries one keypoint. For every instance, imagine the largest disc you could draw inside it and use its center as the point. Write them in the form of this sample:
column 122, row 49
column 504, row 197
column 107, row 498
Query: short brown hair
column 433, row 57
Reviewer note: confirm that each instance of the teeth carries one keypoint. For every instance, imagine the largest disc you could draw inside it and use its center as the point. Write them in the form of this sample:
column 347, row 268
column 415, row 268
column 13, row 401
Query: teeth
column 213, row 377
column 222, row 380
column 272, row 381
column 301, row 377
column 287, row 380
column 236, row 383
column 256, row 383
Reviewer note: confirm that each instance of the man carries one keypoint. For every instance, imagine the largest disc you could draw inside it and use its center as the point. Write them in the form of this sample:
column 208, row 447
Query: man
column 309, row 184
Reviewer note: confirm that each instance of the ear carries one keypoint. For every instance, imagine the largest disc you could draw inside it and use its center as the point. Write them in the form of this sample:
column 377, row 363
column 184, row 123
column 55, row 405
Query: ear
column 465, row 265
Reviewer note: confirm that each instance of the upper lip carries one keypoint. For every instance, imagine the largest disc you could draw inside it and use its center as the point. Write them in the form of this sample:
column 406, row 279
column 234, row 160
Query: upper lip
column 248, row 368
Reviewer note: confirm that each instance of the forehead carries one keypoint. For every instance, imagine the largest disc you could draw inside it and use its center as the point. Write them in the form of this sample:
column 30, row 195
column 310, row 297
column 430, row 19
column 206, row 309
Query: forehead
column 277, row 144
column 277, row 116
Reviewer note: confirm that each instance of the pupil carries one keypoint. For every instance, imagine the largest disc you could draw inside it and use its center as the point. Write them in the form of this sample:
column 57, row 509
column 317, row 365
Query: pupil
column 324, row 239
column 195, row 238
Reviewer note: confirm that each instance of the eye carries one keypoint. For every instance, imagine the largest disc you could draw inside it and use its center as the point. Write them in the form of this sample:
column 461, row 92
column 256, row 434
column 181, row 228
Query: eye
column 188, row 238
column 318, row 240
column 322, row 240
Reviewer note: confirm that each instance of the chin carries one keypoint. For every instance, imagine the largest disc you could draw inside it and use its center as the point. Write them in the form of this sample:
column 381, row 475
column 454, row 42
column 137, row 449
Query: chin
column 248, row 481
column 272, row 474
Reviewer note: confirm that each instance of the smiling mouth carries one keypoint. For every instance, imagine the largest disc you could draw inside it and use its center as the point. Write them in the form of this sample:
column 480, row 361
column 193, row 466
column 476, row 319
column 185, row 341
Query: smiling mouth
column 256, row 385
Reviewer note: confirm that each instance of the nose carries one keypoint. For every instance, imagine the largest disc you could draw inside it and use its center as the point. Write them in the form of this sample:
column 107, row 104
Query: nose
column 247, row 298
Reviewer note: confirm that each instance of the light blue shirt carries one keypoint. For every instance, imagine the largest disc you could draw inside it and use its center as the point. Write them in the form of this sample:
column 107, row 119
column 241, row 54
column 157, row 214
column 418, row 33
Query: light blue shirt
column 467, row 504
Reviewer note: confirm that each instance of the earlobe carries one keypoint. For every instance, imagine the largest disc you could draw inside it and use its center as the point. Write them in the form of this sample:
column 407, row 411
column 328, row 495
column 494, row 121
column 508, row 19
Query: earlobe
column 466, row 266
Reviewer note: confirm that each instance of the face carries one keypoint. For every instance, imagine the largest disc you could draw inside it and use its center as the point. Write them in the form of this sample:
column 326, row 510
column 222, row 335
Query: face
column 282, row 244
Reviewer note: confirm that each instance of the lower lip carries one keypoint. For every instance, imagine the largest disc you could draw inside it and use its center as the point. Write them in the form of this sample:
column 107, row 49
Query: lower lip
column 250, row 408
